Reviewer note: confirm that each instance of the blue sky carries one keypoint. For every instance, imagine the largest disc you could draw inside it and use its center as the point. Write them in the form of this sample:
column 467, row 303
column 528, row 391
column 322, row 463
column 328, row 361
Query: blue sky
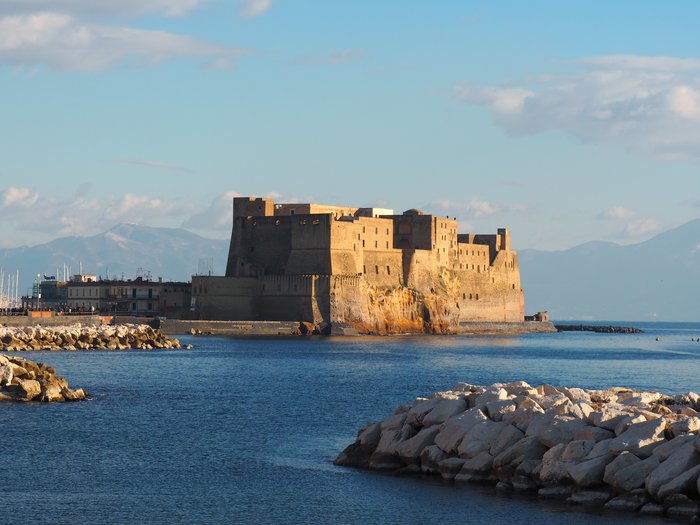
column 565, row 121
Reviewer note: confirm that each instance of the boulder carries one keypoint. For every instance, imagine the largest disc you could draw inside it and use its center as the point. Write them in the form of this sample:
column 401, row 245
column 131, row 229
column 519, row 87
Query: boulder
column 685, row 483
column 6, row 375
column 430, row 458
column 477, row 469
column 589, row 473
column 593, row 433
column 450, row 467
column 28, row 389
column 410, row 449
column 634, row 476
column 561, row 429
column 528, row 448
column 640, row 438
column 454, row 429
column 508, row 436
column 496, row 409
column 479, row 438
column 621, row 462
column 591, row 498
column 443, row 410
column 683, row 459
column 554, row 471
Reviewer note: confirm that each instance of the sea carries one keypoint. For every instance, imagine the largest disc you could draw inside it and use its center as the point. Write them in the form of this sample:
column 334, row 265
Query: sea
column 246, row 430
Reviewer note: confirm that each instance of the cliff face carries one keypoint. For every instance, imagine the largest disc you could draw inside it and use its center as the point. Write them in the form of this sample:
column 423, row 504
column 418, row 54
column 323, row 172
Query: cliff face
column 373, row 310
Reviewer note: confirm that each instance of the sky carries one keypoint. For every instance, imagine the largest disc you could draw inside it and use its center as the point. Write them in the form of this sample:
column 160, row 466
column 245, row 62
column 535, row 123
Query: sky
column 564, row 121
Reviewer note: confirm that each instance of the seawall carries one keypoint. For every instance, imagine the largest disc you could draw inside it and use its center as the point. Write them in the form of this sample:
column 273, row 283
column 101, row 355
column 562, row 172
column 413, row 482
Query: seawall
column 58, row 320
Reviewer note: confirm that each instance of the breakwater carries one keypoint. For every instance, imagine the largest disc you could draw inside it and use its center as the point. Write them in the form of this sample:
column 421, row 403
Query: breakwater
column 610, row 329
column 24, row 380
column 81, row 337
column 618, row 448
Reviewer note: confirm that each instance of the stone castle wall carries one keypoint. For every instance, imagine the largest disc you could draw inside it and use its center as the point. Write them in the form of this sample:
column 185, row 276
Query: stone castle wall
column 387, row 274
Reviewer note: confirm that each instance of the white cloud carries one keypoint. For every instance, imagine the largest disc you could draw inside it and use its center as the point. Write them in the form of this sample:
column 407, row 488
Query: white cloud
column 649, row 105
column 101, row 7
column 155, row 164
column 217, row 216
column 619, row 212
column 14, row 197
column 633, row 224
column 62, row 42
column 253, row 8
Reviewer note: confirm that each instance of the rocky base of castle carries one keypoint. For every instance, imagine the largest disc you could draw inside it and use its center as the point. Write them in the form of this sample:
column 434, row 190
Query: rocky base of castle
column 23, row 380
column 617, row 448
column 80, row 337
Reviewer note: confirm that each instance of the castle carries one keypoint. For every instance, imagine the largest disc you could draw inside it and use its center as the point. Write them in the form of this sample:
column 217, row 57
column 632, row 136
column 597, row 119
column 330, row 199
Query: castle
column 366, row 268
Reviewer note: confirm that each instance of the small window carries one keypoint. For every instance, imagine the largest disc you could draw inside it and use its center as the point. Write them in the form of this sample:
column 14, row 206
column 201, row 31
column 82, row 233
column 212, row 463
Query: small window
column 133, row 306
column 470, row 296
column 375, row 244
column 376, row 231
column 363, row 243
column 464, row 296
column 364, row 269
column 513, row 286
column 376, row 270
column 387, row 231
column 388, row 270
column 363, row 229
column 387, row 245
column 477, row 297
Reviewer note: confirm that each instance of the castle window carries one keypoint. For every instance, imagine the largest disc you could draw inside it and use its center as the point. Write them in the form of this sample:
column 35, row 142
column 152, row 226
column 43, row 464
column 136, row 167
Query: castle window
column 388, row 270
column 477, row 297
column 363, row 243
column 464, row 296
column 387, row 245
column 375, row 244
column 387, row 231
column 364, row 269
column 354, row 247
column 376, row 231
column 376, row 269
column 513, row 286
column 358, row 236
column 470, row 296
column 363, row 229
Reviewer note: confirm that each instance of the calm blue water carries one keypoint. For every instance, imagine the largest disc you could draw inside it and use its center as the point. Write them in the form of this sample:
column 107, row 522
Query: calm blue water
column 245, row 431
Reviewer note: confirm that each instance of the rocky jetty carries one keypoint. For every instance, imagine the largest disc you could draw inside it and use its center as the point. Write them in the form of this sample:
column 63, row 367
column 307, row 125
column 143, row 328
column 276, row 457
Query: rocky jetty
column 618, row 448
column 24, row 380
column 609, row 329
column 81, row 337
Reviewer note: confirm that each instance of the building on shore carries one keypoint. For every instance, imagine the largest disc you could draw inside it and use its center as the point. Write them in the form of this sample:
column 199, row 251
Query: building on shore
column 134, row 297
column 369, row 268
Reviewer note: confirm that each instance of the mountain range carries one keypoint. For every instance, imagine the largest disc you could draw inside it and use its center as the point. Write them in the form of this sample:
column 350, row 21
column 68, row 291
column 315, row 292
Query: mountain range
column 658, row 279
column 125, row 250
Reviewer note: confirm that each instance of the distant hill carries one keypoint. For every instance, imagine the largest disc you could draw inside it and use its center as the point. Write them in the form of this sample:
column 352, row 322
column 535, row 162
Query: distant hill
column 170, row 253
column 658, row 279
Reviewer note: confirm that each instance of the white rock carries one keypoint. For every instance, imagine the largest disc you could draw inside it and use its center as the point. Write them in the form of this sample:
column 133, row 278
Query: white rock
column 664, row 451
column 554, row 471
column 684, row 483
column 522, row 417
column 477, row 469
column 410, row 449
column 444, row 410
column 479, row 438
column 682, row 459
column 621, row 462
column 453, row 430
column 508, row 436
column 429, row 459
column 633, row 476
column 496, row 409
column 640, row 438
column 592, row 433
column 589, row 473
column 561, row 430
